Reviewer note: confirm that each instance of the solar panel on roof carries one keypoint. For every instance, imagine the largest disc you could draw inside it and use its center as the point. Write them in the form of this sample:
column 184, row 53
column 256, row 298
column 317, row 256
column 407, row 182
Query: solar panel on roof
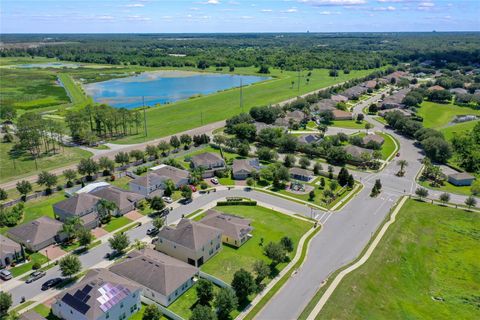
column 75, row 303
column 110, row 295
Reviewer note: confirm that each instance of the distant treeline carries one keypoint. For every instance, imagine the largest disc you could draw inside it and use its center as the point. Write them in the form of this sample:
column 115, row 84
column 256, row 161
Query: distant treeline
column 287, row 51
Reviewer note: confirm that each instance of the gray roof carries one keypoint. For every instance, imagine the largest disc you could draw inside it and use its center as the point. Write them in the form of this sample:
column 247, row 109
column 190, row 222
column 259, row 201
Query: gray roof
column 145, row 180
column 355, row 91
column 122, row 198
column 308, row 138
column 373, row 137
column 458, row 91
column 295, row 115
column 31, row 315
column 87, row 295
column 190, row 234
column 155, row 270
column 461, row 176
column 301, row 172
column 205, row 159
column 355, row 151
column 324, row 105
column 248, row 165
column 232, row 226
column 172, row 173
column 36, row 231
column 78, row 203
column 338, row 98
column 8, row 247
column 396, row 98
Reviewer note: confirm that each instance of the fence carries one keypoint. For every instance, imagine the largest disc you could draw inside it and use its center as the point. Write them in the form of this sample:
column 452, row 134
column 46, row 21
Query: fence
column 166, row 312
column 213, row 279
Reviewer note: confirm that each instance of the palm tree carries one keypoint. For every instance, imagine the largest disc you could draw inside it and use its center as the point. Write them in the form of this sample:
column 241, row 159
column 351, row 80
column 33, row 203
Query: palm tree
column 402, row 163
column 105, row 209
column 71, row 227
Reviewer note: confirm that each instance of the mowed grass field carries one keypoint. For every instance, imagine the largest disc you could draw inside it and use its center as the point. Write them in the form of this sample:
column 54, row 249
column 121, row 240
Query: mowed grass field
column 450, row 131
column 425, row 267
column 438, row 116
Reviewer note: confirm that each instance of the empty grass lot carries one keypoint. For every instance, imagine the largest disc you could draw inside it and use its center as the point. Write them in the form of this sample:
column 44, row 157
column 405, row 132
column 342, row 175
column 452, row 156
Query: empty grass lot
column 437, row 115
column 450, row 131
column 268, row 225
column 425, row 267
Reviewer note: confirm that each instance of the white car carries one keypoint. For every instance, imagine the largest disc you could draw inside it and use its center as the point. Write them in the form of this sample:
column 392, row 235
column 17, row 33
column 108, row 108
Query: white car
column 214, row 180
column 5, row 275
column 167, row 199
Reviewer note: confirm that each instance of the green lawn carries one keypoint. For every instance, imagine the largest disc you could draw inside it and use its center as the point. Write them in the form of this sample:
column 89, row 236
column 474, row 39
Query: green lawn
column 191, row 113
column 458, row 128
column 388, row 147
column 425, row 267
column 116, row 223
column 121, row 182
column 437, row 115
column 349, row 124
column 18, row 166
column 45, row 312
column 448, row 187
column 26, row 267
column 268, row 225
column 75, row 92
column 139, row 314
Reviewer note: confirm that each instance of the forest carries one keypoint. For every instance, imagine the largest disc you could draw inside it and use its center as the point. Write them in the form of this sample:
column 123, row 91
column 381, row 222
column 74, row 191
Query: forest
column 290, row 51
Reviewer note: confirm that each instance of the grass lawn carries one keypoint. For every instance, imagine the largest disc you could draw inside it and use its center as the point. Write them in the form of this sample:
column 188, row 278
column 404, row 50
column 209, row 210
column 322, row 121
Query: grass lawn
column 121, row 182
column 458, row 128
column 45, row 312
column 437, row 115
column 448, row 187
column 388, row 147
column 139, row 314
column 349, row 124
column 26, row 267
column 425, row 267
column 191, row 113
column 268, row 225
column 116, row 223
column 18, row 166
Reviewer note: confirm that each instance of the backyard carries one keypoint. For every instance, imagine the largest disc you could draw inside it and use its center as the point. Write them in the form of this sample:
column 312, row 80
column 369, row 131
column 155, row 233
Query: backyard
column 425, row 266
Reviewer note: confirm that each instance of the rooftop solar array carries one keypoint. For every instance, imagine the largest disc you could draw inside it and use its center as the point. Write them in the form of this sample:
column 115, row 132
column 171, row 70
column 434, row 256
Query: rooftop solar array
column 110, row 295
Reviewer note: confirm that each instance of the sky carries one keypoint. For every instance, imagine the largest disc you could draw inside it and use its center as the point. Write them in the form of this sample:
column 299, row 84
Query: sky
column 205, row 16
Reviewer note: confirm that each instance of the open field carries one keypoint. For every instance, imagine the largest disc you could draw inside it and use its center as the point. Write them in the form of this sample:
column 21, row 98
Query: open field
column 13, row 166
column 437, row 115
column 6, row 61
column 268, row 225
column 425, row 265
column 449, row 131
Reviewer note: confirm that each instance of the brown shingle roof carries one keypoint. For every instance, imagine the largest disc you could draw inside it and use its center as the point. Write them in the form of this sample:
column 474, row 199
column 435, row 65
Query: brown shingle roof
column 324, row 105
column 339, row 98
column 190, row 234
column 373, row 137
column 300, row 172
column 232, row 226
column 36, row 231
column 8, row 247
column 78, row 203
column 340, row 114
column 122, row 198
column 206, row 158
column 436, row 88
column 356, row 152
column 155, row 270
column 172, row 173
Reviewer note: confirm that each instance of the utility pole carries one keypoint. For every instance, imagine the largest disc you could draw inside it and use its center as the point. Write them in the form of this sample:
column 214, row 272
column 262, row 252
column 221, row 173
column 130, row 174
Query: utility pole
column 241, row 94
column 201, row 118
column 298, row 82
column 144, row 116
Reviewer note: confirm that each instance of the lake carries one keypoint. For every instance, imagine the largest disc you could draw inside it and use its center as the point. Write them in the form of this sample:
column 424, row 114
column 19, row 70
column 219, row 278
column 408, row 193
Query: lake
column 48, row 65
column 162, row 87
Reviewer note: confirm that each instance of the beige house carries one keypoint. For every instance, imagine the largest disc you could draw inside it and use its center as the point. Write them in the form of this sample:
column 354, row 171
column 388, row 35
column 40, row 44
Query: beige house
column 37, row 234
column 82, row 205
column 162, row 278
column 235, row 230
column 209, row 162
column 190, row 241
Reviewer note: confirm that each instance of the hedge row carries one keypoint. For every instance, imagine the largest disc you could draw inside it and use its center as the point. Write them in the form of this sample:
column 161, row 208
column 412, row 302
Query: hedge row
column 236, row 203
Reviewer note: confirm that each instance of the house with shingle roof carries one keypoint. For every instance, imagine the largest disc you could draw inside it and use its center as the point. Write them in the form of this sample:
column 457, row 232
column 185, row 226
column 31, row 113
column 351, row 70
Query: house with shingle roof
column 37, row 234
column 235, row 230
column 100, row 295
column 243, row 168
column 355, row 152
column 324, row 105
column 373, row 137
column 153, row 182
column 301, row 174
column 395, row 100
column 82, row 205
column 162, row 278
column 436, row 88
column 371, row 84
column 354, row 92
column 209, row 162
column 339, row 98
column 308, row 138
column 342, row 115
column 295, row 116
column 189, row 241
column 125, row 201
column 10, row 251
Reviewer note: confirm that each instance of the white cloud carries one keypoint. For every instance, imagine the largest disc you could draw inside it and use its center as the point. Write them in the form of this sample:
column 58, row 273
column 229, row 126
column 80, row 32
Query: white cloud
column 135, row 5
column 291, row 10
column 138, row 18
column 328, row 13
column 389, row 8
column 105, row 18
column 211, row 2
column 333, row 2
column 425, row 5
column 266, row 10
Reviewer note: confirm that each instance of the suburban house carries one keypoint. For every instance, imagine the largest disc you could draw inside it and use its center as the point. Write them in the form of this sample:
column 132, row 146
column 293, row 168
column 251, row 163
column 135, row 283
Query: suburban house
column 296, row 116
column 262, row 125
column 243, row 168
column 342, row 115
column 373, row 137
column 458, row 91
column 179, row 177
column 301, row 174
column 308, row 138
column 371, row 84
column 405, row 112
column 396, row 75
column 235, row 230
column 339, row 98
column 82, row 205
column 209, row 162
column 395, row 100
column 436, row 88
column 37, row 234
column 190, row 241
column 324, row 105
column 10, row 251
column 162, row 278
column 92, row 187
column 356, row 152
column 125, row 201
column 31, row 315
column 100, row 295
column 355, row 92
column 461, row 179
column 153, row 183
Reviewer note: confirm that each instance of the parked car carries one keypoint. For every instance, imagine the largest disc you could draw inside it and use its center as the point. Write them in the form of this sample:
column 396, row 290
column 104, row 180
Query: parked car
column 193, row 188
column 186, row 201
column 167, row 199
column 36, row 275
column 214, row 180
column 152, row 231
column 398, row 154
column 5, row 275
column 51, row 283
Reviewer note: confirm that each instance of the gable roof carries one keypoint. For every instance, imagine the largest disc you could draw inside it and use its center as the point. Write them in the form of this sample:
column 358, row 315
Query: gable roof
column 189, row 233
column 248, row 165
column 78, row 203
column 232, row 226
column 8, row 247
column 355, row 151
column 337, row 113
column 155, row 270
column 150, row 178
column 300, row 172
column 98, row 291
column 325, row 105
column 206, row 158
column 339, row 98
column 296, row 115
column 461, row 176
column 122, row 198
column 373, row 137
column 172, row 173
column 370, row 84
column 36, row 231
column 436, row 88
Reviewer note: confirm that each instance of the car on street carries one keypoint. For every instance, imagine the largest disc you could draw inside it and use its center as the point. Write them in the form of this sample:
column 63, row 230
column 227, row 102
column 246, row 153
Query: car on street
column 186, row 201
column 214, row 180
column 36, row 275
column 167, row 199
column 5, row 275
column 398, row 154
column 51, row 283
column 192, row 188
column 152, row 231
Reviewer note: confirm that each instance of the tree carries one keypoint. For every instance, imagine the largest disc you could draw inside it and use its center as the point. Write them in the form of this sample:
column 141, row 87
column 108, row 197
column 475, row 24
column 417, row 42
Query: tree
column 378, row 184
column 174, row 142
column 152, row 313
column 225, row 302
column 137, row 154
column 350, row 181
column 402, row 163
column 70, row 265
column 84, row 237
column 444, row 197
column 122, row 158
column 304, row 162
column 475, row 188
column 373, row 108
column 8, row 112
column 360, row 117
column 186, row 192
column 261, row 269
column 243, row 284
column 317, row 168
column 105, row 209
column 70, row 175
column 158, row 222
column 202, row 313
column 265, row 154
column 157, row 203
column 421, row 192
column 151, row 151
column 289, row 160
column 5, row 303
column 287, row 244
column 311, row 195
column 119, row 242
column 3, row 194
column 204, row 289
column 47, row 179
column 437, row 149
column 71, row 226
column 24, row 187
column 87, row 167
column 333, row 185
column 163, row 147
column 470, row 202
column 169, row 187
column 322, row 182
column 368, row 126
column 343, row 177
column 186, row 140
column 106, row 165
column 275, row 252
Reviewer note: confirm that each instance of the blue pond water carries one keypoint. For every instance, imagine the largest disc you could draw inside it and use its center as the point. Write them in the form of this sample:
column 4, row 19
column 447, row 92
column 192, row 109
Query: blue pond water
column 162, row 87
